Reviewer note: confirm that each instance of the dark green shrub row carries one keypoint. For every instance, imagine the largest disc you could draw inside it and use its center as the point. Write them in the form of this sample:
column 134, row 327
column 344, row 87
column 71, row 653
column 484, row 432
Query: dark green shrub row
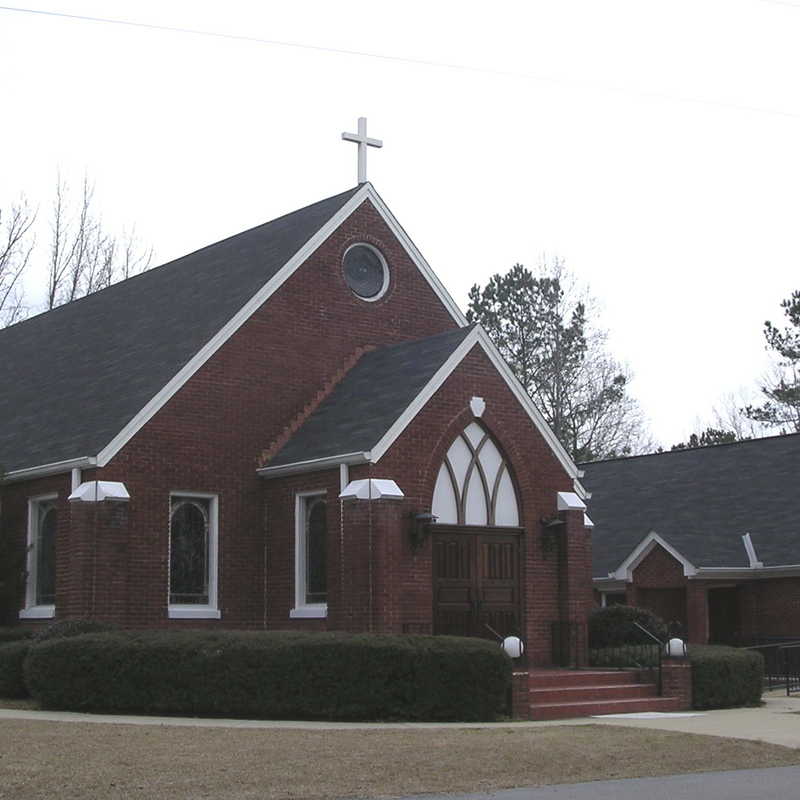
column 14, row 633
column 12, row 657
column 725, row 677
column 73, row 627
column 626, row 655
column 614, row 625
column 272, row 675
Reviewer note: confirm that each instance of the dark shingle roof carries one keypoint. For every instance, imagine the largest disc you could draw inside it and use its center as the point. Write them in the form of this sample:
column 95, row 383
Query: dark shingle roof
column 370, row 398
column 74, row 377
column 701, row 501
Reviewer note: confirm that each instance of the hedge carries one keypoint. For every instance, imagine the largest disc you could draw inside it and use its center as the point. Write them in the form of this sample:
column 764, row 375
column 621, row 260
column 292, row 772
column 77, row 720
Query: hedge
column 14, row 633
column 725, row 677
column 12, row 657
column 73, row 627
column 272, row 675
column 614, row 626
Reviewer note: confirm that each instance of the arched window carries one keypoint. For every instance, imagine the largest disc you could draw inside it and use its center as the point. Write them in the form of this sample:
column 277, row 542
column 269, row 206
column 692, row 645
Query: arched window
column 474, row 486
column 189, row 551
column 46, row 555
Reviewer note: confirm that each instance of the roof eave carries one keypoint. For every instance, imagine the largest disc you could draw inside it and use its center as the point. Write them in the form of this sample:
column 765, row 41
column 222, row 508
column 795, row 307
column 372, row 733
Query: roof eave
column 314, row 464
column 54, row 468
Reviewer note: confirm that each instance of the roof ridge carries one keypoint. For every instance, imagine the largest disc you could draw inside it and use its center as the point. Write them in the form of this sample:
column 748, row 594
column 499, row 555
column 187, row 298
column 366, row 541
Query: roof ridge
column 749, row 441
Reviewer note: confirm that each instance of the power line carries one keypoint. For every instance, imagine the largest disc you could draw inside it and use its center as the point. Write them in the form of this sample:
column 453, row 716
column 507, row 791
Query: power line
column 572, row 82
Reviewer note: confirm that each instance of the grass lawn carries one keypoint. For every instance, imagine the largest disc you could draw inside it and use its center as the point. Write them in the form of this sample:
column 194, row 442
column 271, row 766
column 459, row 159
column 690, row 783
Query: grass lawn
column 41, row 759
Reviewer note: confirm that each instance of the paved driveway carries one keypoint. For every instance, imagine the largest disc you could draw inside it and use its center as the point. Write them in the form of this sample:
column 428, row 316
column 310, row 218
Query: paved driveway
column 779, row 783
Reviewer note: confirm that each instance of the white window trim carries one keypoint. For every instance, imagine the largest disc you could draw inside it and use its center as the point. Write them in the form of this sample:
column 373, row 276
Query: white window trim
column 386, row 275
column 211, row 609
column 31, row 610
column 303, row 610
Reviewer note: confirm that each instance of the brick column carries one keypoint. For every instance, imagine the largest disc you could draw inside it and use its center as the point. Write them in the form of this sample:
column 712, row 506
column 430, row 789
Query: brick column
column 697, row 612
column 520, row 695
column 95, row 585
column 676, row 680
column 575, row 575
column 371, row 550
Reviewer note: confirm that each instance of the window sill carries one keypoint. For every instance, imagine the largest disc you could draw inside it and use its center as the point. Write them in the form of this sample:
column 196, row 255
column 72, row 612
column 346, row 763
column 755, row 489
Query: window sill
column 38, row 612
column 309, row 612
column 193, row 612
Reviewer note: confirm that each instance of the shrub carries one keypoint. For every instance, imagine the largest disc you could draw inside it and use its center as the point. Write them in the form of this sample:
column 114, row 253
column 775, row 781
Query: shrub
column 73, row 627
column 12, row 657
column 14, row 633
column 724, row 677
column 272, row 675
column 640, row 656
column 613, row 626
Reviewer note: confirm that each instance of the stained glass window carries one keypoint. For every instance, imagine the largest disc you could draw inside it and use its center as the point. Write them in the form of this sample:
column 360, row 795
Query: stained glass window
column 189, row 556
column 45, row 554
column 365, row 271
column 316, row 551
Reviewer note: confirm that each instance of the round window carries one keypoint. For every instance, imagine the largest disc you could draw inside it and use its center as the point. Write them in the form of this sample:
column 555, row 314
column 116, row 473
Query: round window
column 365, row 271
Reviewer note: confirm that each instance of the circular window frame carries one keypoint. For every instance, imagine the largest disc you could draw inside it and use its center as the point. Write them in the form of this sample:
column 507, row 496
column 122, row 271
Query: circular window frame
column 386, row 274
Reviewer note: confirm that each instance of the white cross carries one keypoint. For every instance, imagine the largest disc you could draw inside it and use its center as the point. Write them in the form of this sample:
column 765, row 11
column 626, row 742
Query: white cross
column 363, row 142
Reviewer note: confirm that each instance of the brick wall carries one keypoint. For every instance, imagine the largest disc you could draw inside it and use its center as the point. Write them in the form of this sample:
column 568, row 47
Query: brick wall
column 211, row 435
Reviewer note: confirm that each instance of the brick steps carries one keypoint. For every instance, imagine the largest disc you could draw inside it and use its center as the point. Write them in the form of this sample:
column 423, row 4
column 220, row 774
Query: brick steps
column 565, row 694
column 575, row 694
column 545, row 678
column 592, row 708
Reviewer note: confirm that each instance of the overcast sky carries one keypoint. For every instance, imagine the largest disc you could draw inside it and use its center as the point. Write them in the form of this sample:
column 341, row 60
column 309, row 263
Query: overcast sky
column 653, row 145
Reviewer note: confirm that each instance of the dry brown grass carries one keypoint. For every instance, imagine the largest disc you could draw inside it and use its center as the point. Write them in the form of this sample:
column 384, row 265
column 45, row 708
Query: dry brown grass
column 87, row 760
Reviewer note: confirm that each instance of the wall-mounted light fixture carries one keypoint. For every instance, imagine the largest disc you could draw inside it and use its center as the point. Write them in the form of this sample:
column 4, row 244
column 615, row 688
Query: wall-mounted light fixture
column 550, row 526
column 421, row 522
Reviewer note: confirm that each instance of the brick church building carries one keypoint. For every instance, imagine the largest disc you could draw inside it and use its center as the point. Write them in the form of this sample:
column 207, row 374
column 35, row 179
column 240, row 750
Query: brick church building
column 293, row 428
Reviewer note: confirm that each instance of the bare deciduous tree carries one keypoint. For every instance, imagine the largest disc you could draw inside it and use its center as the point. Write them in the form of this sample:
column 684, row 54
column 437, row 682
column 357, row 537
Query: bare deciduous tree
column 16, row 246
column 83, row 256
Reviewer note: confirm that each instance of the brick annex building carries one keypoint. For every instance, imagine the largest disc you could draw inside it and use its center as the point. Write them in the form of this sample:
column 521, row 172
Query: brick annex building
column 271, row 421
column 708, row 538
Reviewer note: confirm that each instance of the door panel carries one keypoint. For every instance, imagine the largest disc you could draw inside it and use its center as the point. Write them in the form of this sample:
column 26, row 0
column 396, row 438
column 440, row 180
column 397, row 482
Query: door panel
column 476, row 583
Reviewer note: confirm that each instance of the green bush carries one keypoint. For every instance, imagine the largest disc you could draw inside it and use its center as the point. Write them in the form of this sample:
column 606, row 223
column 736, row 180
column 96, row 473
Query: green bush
column 725, row 677
column 73, row 627
column 14, row 633
column 640, row 656
column 274, row 675
column 12, row 657
column 613, row 626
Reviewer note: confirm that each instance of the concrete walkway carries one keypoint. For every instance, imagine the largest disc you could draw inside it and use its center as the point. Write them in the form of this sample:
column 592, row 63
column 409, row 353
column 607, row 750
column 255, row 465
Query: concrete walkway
column 777, row 722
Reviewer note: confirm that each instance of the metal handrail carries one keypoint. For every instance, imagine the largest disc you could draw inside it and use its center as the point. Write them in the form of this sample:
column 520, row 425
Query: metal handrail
column 652, row 636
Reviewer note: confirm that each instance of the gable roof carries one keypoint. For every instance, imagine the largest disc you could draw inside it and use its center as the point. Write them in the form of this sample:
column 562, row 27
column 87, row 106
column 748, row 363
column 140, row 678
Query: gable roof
column 369, row 399
column 76, row 375
column 701, row 502
column 81, row 380
column 385, row 390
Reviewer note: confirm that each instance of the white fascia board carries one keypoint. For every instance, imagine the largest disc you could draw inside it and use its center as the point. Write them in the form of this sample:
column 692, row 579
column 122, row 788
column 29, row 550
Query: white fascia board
column 233, row 325
column 366, row 192
column 314, row 464
column 626, row 568
column 422, row 265
column 480, row 337
column 56, row 467
column 430, row 388
column 525, row 401
column 747, row 573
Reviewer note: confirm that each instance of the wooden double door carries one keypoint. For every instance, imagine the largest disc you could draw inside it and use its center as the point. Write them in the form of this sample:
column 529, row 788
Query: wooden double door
column 476, row 581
